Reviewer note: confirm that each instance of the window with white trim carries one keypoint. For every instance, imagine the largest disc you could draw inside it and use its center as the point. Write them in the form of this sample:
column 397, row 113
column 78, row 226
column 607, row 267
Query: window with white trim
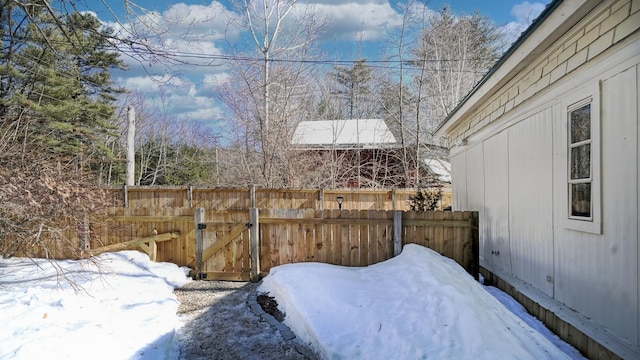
column 583, row 189
column 580, row 163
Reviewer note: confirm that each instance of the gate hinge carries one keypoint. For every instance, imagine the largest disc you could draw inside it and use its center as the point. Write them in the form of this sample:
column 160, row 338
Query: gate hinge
column 202, row 226
column 249, row 225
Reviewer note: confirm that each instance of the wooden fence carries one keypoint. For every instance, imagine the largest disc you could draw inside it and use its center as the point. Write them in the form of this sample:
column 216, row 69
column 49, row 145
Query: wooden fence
column 246, row 198
column 166, row 234
column 246, row 244
column 361, row 238
column 237, row 234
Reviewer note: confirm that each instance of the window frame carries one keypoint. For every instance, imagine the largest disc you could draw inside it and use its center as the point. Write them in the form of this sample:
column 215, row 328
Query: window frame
column 578, row 99
column 574, row 145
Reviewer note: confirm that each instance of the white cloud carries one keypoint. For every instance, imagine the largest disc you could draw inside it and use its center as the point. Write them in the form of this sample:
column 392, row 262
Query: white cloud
column 182, row 84
column 211, row 81
column 189, row 92
column 359, row 20
column 526, row 12
column 181, row 98
column 144, row 84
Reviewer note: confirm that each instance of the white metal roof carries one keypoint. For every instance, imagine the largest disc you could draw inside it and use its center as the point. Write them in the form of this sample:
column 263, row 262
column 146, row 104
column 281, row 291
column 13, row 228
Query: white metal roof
column 441, row 168
column 343, row 133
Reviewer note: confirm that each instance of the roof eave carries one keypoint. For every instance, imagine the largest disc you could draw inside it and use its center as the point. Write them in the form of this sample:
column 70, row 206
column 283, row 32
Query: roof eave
column 534, row 39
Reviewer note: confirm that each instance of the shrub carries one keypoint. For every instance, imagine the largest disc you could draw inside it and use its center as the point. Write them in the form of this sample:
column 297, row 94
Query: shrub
column 425, row 199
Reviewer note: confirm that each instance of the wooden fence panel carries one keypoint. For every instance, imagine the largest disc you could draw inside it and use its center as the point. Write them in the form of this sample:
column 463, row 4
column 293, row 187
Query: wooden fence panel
column 331, row 236
column 126, row 224
column 153, row 197
column 240, row 198
column 451, row 234
column 286, row 199
column 221, row 199
column 225, row 243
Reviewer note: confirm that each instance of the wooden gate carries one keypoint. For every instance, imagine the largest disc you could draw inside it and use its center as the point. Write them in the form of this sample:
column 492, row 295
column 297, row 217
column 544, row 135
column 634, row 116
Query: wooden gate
column 222, row 246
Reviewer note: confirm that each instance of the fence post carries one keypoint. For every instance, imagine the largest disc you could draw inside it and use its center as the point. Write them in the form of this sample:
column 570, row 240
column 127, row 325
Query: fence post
column 397, row 232
column 198, row 220
column 153, row 250
column 190, row 196
column 125, row 196
column 393, row 199
column 474, row 238
column 321, row 198
column 252, row 197
column 254, row 244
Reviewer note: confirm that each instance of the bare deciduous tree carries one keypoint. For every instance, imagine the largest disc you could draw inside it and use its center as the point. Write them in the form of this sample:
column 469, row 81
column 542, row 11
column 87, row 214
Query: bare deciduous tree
column 282, row 33
column 455, row 53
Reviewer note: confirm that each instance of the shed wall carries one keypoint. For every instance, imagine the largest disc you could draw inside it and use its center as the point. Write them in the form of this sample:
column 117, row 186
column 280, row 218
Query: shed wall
column 530, row 197
column 524, row 176
column 495, row 212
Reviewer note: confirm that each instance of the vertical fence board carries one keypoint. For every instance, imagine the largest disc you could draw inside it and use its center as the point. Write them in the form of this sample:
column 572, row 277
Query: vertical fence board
column 310, row 237
column 365, row 240
column 198, row 219
column 253, row 246
column 297, row 242
column 325, row 242
column 354, row 242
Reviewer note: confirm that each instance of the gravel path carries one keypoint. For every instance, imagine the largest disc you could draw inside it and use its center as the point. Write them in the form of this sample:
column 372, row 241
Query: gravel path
column 221, row 320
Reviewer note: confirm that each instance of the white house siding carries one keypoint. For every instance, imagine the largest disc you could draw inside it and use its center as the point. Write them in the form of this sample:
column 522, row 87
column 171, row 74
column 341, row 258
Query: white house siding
column 494, row 240
column 475, row 179
column 597, row 274
column 520, row 192
column 523, row 134
column 459, row 181
column 530, row 200
column 620, row 199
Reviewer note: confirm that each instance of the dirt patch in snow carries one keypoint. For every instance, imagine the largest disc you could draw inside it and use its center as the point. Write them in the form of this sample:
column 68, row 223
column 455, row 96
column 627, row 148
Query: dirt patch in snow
column 270, row 306
column 218, row 323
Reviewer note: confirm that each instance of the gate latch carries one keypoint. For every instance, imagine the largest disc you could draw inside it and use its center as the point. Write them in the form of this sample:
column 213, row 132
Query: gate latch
column 202, row 226
column 249, row 225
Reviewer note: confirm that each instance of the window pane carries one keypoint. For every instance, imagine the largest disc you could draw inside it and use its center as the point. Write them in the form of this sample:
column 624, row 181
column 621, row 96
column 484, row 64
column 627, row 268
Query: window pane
column 581, row 124
column 581, row 199
column 581, row 162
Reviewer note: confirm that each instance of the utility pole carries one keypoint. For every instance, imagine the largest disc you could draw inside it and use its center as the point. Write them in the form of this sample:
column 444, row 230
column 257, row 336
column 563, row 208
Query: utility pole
column 131, row 153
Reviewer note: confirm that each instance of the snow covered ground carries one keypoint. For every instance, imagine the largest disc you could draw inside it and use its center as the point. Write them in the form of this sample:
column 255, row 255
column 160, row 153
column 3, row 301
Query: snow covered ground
column 121, row 308
column 417, row 305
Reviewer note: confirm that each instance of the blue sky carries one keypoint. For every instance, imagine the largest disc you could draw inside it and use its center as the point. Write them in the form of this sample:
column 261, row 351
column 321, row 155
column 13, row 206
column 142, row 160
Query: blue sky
column 198, row 26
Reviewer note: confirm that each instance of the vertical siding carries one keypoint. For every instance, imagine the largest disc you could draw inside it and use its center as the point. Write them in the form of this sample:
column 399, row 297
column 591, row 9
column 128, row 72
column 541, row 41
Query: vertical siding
column 638, row 199
column 475, row 179
column 597, row 274
column 459, row 181
column 620, row 195
column 494, row 228
column 475, row 182
column 530, row 200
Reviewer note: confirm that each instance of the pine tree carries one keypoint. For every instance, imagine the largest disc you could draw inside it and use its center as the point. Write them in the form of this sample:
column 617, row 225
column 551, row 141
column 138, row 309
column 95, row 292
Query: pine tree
column 55, row 112
column 354, row 85
column 54, row 78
